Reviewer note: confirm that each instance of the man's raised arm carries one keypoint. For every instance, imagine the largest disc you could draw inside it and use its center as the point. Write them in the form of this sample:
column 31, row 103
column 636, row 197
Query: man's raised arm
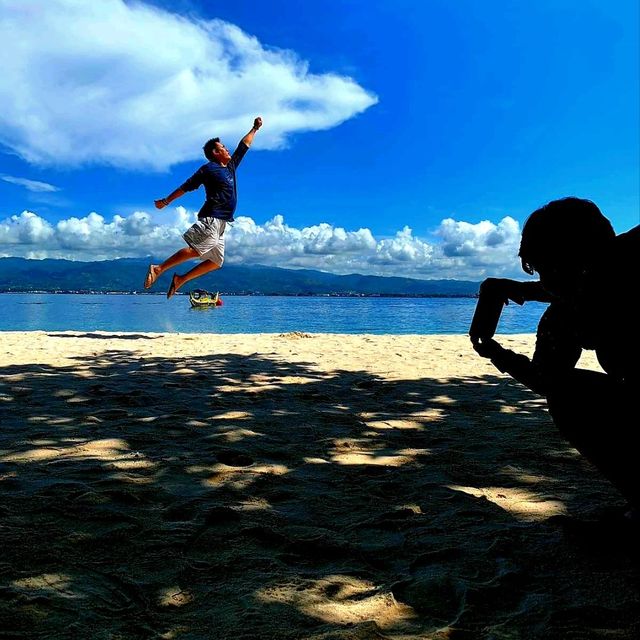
column 248, row 139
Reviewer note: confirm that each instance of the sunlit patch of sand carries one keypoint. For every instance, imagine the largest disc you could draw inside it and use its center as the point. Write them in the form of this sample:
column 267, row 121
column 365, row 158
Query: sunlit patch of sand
column 395, row 424
column 367, row 458
column 316, row 461
column 84, row 372
column 416, row 508
column 236, row 435
column 255, row 504
column 133, row 464
column 197, row 423
column 294, row 380
column 442, row 400
column 520, row 503
column 64, row 393
column 174, row 597
column 230, row 388
column 15, row 377
column 428, row 415
column 239, row 478
column 112, row 450
column 525, row 477
column 132, row 479
column 509, row 409
column 52, row 583
column 359, row 456
column 232, row 415
column 33, row 455
column 262, row 388
column 339, row 599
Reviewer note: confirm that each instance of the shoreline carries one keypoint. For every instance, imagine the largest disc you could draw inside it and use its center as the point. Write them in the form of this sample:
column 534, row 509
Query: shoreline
column 90, row 292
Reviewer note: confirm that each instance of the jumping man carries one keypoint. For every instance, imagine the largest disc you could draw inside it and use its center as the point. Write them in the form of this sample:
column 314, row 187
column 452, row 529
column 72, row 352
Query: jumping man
column 205, row 239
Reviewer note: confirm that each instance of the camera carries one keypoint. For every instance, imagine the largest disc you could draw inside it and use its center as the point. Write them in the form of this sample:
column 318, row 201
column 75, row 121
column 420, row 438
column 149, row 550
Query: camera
column 491, row 301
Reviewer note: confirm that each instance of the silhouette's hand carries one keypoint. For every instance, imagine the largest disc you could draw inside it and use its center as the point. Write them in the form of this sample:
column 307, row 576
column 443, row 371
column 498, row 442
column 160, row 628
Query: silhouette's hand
column 487, row 348
column 257, row 123
column 160, row 204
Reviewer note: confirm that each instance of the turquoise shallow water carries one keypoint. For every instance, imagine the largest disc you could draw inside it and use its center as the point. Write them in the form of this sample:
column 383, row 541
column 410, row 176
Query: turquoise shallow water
column 252, row 314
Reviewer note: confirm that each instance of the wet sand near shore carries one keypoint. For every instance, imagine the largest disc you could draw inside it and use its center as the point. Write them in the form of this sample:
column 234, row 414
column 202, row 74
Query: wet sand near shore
column 295, row 486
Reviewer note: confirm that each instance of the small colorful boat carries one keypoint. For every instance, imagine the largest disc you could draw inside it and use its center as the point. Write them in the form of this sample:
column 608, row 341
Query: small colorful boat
column 199, row 298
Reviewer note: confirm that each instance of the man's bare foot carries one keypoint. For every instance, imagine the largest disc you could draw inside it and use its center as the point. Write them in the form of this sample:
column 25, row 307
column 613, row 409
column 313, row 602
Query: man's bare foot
column 152, row 275
column 174, row 286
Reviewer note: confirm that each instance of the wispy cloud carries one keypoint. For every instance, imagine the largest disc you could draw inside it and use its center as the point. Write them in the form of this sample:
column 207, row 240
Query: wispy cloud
column 462, row 250
column 30, row 185
column 131, row 85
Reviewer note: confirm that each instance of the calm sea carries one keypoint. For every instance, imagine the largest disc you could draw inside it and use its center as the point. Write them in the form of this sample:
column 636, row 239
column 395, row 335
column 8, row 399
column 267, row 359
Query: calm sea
column 252, row 314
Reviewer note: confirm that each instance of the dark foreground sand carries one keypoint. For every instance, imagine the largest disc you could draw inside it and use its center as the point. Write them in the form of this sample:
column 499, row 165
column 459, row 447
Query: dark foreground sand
column 294, row 487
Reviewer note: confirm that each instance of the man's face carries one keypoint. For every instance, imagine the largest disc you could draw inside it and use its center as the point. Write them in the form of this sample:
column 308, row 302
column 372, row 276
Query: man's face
column 221, row 154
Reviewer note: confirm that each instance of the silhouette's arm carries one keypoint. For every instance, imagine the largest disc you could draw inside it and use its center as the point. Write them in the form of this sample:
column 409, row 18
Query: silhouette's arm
column 515, row 364
column 529, row 292
column 556, row 354
column 494, row 294
column 515, row 290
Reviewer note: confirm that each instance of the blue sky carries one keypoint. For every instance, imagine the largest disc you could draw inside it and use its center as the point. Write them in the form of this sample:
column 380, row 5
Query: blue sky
column 400, row 137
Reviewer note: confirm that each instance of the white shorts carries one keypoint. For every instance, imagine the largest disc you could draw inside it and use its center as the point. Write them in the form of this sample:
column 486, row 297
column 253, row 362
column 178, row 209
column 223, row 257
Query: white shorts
column 206, row 236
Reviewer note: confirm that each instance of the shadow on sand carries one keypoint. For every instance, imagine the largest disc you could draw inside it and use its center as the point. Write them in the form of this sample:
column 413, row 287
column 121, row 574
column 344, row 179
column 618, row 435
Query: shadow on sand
column 247, row 497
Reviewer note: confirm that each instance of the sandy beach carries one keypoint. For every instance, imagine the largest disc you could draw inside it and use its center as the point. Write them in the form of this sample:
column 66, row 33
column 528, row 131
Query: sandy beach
column 295, row 486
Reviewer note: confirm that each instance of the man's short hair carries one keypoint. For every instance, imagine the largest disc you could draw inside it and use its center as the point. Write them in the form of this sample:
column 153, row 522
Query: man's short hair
column 210, row 147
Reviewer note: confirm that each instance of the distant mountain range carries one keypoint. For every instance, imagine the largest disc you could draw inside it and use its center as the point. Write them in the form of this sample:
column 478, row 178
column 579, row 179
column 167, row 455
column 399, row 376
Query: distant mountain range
column 127, row 275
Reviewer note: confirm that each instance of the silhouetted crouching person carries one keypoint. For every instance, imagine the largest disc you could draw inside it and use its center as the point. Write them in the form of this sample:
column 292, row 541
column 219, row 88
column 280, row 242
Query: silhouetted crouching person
column 590, row 278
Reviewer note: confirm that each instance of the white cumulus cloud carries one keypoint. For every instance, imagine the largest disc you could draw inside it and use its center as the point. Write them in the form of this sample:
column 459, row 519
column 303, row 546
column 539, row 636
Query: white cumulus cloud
column 461, row 250
column 131, row 85
column 484, row 246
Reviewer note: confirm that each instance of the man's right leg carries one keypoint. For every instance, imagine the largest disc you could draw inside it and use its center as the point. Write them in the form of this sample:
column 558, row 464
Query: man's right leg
column 156, row 270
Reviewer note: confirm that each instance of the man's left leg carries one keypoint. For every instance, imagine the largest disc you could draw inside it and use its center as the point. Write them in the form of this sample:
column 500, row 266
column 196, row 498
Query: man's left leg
column 199, row 270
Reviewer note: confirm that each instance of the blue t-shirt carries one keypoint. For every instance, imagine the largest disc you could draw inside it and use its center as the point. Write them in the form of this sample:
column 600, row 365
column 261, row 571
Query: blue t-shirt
column 220, row 186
